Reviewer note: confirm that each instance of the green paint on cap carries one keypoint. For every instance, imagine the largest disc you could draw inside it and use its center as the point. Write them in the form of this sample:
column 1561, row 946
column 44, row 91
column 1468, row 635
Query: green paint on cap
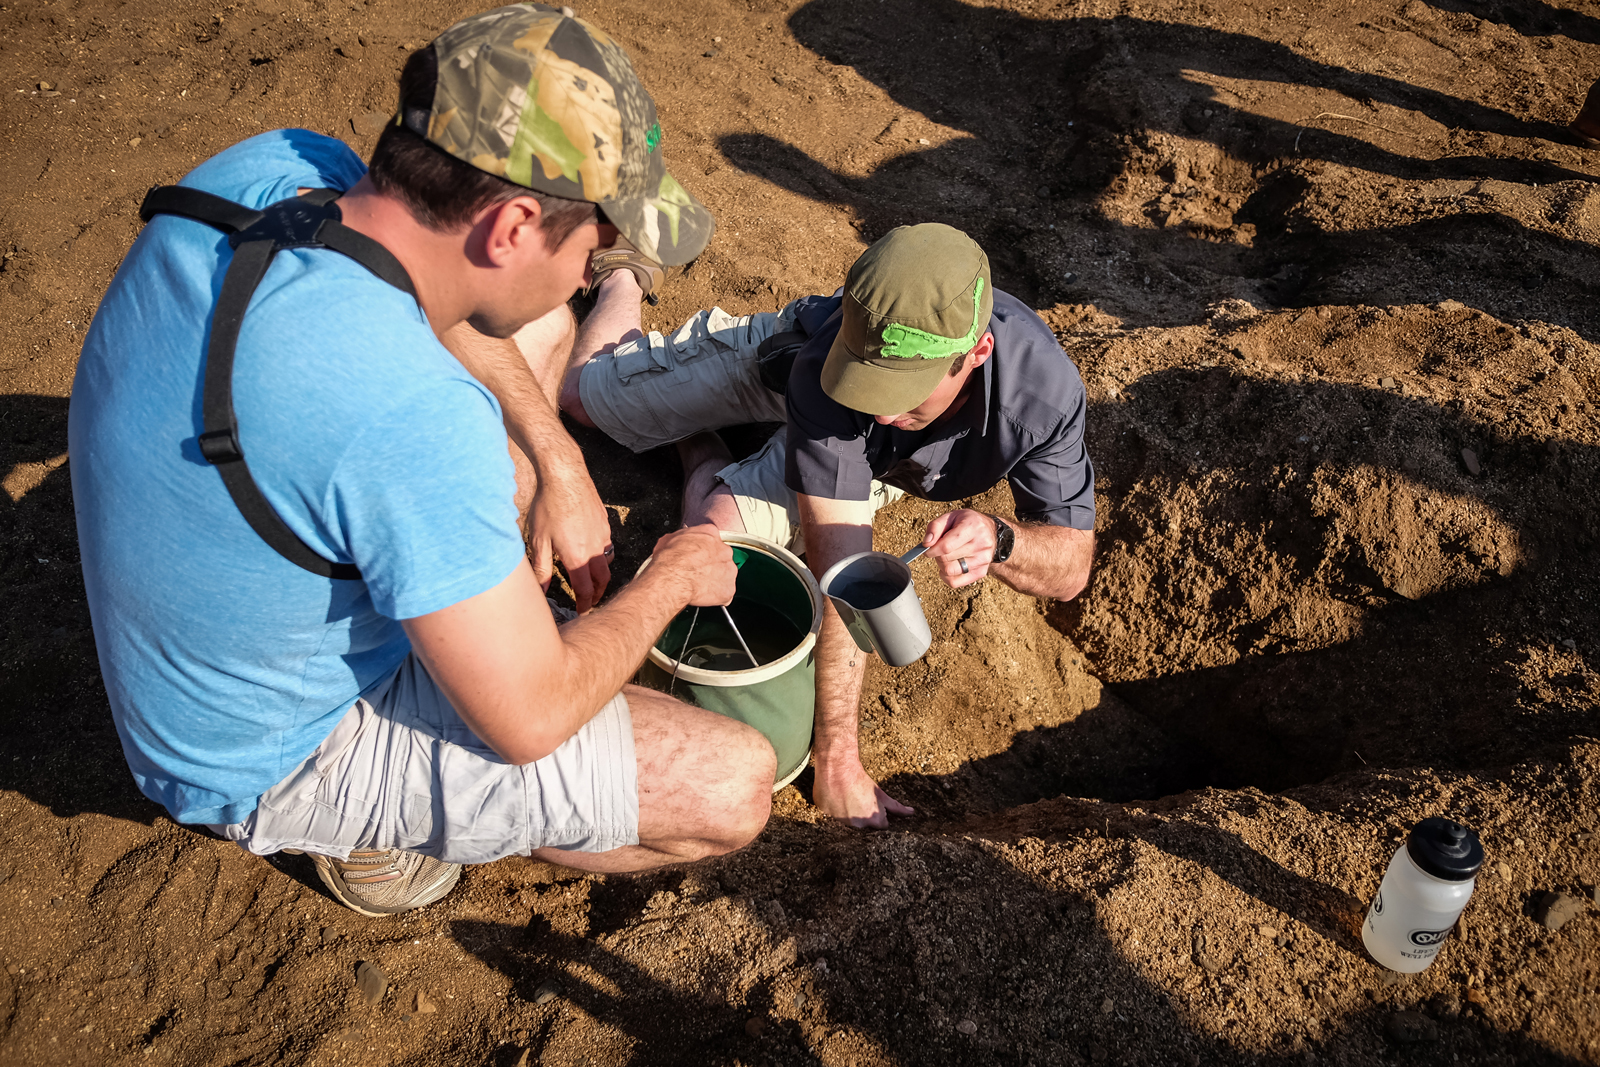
column 538, row 134
column 908, row 342
column 653, row 138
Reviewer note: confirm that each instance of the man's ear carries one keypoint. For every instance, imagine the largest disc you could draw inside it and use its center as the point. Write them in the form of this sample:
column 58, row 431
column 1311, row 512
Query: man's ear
column 982, row 350
column 512, row 230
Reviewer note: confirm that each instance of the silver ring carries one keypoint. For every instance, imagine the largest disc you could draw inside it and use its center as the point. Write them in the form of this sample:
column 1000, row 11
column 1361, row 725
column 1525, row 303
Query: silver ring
column 963, row 562
column 608, row 551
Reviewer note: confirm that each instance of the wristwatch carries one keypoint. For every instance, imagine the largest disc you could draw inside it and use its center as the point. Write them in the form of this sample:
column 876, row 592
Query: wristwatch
column 1005, row 539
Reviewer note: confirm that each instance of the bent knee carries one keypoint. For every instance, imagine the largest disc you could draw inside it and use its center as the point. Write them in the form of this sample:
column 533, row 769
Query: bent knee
column 571, row 397
column 750, row 766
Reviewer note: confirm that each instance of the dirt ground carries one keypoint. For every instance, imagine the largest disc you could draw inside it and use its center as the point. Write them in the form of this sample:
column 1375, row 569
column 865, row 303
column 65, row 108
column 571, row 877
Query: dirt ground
column 1330, row 272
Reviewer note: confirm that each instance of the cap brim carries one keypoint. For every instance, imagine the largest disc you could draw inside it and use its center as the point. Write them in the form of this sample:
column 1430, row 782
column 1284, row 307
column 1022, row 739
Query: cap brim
column 670, row 227
column 877, row 389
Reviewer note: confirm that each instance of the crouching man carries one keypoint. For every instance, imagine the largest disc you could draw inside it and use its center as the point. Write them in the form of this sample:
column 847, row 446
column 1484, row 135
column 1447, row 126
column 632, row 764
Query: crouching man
column 299, row 511
column 917, row 377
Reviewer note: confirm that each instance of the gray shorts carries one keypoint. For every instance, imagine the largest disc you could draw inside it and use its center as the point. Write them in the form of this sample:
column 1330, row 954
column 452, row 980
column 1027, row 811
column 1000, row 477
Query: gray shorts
column 401, row 770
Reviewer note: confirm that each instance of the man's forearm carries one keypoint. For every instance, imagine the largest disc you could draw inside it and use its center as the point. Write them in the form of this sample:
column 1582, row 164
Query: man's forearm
column 841, row 666
column 1052, row 561
column 604, row 647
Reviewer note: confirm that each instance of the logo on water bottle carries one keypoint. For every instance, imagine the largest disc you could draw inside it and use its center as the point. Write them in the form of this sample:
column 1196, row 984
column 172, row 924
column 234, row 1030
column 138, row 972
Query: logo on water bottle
column 1377, row 904
column 1428, row 938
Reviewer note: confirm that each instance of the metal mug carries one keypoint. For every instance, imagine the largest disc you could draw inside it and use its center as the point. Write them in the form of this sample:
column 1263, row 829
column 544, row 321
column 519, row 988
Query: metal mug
column 878, row 602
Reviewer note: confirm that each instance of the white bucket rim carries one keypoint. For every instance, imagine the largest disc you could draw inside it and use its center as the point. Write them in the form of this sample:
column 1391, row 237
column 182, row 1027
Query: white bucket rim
column 767, row 671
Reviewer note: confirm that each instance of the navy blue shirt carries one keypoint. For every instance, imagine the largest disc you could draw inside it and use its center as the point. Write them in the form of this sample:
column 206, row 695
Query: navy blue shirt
column 1023, row 421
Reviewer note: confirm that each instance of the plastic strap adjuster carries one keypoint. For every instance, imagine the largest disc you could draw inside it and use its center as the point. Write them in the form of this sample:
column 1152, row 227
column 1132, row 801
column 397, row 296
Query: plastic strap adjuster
column 221, row 446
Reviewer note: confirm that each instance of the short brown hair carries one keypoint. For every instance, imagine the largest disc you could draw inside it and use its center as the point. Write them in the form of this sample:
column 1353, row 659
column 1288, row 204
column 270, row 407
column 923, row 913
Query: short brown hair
column 441, row 191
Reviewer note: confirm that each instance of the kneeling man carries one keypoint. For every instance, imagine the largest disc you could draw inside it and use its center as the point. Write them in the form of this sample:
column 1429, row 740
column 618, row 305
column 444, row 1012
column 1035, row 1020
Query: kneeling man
column 341, row 648
column 916, row 377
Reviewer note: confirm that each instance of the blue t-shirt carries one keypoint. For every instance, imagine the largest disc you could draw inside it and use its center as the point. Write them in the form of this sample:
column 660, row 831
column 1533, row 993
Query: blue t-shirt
column 225, row 664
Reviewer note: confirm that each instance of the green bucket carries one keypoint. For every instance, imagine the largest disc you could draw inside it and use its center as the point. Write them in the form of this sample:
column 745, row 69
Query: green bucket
column 778, row 609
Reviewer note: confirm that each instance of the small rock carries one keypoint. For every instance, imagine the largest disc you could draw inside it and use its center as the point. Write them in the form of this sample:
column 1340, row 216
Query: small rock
column 710, row 53
column 1098, row 1053
column 45, row 87
column 548, row 990
column 820, row 965
column 1555, row 910
column 1325, row 1000
column 136, row 142
column 372, row 123
column 1268, row 932
column 1391, row 979
column 425, row 1005
column 1445, row 1006
column 1569, row 644
column 1069, row 278
column 522, row 1060
column 1503, row 871
column 1044, row 191
column 1387, row 383
column 967, row 1026
column 1411, row 1028
column 1477, row 997
column 1517, row 843
column 923, row 140
column 755, row 1026
column 372, row 981
column 1108, row 1006
column 1470, row 458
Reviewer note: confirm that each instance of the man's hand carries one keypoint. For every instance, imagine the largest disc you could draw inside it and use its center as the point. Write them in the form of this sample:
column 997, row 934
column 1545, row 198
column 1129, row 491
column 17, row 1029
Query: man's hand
column 964, row 543
column 843, row 789
column 567, row 519
column 697, row 556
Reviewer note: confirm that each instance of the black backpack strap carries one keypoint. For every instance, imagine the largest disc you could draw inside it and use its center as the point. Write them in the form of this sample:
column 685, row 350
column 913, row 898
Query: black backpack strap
column 307, row 221
column 197, row 205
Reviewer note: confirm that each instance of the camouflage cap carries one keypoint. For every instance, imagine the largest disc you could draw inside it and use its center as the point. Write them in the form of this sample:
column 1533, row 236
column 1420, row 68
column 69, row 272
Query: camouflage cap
column 543, row 99
column 915, row 302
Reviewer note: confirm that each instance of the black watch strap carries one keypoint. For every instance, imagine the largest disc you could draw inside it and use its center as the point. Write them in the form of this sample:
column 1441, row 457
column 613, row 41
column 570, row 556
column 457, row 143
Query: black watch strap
column 1005, row 540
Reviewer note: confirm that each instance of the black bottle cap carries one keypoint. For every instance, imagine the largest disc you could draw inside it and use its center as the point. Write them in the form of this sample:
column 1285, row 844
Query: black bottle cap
column 1445, row 849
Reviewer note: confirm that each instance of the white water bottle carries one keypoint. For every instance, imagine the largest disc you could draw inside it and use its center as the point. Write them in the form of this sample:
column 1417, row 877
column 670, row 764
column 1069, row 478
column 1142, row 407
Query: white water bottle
column 1423, row 893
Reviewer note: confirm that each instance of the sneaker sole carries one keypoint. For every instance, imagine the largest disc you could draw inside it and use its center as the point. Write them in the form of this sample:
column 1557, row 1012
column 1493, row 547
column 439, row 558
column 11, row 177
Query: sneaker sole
column 433, row 895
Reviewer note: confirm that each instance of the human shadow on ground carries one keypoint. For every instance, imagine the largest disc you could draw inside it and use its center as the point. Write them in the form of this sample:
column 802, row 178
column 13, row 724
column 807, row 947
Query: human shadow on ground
column 1055, row 113
column 57, row 742
column 912, row 949
column 1437, row 673
column 1530, row 18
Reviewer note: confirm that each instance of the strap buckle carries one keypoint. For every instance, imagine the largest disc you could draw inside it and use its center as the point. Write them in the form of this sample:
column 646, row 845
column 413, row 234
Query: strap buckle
column 291, row 223
column 221, row 446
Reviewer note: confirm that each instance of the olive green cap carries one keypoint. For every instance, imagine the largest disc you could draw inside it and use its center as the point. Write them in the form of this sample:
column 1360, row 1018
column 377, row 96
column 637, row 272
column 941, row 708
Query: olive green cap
column 543, row 99
column 916, row 301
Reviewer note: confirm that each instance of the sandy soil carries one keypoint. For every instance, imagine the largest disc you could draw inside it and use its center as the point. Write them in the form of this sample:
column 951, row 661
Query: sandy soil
column 1329, row 271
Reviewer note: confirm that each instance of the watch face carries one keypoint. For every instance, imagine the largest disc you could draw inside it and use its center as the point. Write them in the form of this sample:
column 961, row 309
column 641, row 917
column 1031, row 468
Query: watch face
column 1006, row 540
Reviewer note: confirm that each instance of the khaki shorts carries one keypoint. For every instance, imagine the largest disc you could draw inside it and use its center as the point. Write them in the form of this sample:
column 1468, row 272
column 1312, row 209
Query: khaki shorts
column 401, row 770
column 770, row 508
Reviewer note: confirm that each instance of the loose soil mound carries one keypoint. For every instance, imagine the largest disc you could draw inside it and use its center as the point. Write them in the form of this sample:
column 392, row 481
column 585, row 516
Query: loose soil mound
column 1329, row 273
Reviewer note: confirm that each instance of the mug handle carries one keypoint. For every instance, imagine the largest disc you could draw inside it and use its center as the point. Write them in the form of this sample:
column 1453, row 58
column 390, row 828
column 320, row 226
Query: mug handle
column 859, row 632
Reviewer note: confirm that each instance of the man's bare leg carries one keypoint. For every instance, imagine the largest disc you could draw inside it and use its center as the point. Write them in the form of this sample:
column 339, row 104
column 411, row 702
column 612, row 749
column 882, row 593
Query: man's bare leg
column 616, row 318
column 705, row 787
column 704, row 498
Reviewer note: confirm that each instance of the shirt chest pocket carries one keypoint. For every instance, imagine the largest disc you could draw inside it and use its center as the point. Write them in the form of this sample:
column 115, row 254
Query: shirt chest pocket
column 921, row 473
